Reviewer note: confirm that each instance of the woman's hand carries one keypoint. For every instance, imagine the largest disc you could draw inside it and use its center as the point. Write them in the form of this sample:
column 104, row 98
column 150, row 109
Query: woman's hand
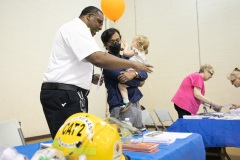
column 216, row 107
column 234, row 106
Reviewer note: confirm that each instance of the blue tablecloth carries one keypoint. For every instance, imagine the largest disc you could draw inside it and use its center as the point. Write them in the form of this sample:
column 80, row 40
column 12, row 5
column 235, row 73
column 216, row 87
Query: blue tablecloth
column 215, row 133
column 190, row 148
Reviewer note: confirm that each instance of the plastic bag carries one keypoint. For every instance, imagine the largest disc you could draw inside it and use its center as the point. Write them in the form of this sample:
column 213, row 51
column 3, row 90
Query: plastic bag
column 48, row 154
column 7, row 153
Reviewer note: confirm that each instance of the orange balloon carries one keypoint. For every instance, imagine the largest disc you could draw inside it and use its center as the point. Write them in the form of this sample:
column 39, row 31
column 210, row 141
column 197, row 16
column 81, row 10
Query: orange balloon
column 113, row 9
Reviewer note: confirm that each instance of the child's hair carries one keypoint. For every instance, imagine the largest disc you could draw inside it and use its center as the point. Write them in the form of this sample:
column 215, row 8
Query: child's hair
column 142, row 43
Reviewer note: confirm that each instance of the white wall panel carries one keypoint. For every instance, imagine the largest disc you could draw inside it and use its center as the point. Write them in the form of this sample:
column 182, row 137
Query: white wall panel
column 184, row 34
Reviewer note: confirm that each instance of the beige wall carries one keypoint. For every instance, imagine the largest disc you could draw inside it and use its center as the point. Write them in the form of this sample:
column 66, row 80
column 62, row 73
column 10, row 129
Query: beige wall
column 182, row 38
column 27, row 30
column 176, row 49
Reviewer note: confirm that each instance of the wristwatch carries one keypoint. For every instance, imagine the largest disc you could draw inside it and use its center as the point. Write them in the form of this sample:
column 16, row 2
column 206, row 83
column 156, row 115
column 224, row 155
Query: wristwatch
column 137, row 75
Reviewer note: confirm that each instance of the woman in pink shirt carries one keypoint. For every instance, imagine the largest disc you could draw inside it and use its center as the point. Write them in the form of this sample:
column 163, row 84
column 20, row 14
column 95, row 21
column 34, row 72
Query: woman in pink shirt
column 191, row 93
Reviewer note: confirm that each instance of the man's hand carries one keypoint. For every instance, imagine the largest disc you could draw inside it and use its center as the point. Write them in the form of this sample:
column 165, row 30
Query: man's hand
column 137, row 66
column 95, row 79
column 126, row 76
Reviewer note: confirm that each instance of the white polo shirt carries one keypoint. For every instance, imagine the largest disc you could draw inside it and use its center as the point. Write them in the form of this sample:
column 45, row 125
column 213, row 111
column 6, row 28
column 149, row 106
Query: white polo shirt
column 67, row 64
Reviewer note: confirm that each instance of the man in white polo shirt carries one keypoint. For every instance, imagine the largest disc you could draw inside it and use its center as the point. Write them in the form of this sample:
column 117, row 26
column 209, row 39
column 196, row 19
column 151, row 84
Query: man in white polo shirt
column 68, row 78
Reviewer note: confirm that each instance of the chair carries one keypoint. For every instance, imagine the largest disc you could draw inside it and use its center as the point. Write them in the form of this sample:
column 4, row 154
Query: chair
column 163, row 116
column 11, row 134
column 148, row 120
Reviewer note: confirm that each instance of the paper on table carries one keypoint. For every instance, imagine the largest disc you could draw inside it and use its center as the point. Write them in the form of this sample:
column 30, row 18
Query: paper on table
column 192, row 117
column 217, row 113
column 227, row 105
column 235, row 111
column 176, row 135
column 164, row 137
column 45, row 145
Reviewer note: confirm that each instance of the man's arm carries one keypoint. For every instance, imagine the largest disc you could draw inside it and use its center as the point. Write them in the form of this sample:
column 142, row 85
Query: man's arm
column 113, row 74
column 126, row 76
column 132, row 79
column 110, row 62
column 129, row 77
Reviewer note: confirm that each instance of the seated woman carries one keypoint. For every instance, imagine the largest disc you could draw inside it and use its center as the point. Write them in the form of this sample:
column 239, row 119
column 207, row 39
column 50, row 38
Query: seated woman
column 234, row 77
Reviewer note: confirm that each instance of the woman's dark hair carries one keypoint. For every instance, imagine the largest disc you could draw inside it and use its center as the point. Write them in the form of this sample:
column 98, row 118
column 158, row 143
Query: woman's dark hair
column 107, row 34
column 90, row 9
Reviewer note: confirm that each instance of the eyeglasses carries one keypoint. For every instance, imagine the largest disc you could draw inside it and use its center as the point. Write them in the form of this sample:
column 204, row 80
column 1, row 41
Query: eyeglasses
column 210, row 73
column 100, row 21
column 114, row 41
column 232, row 81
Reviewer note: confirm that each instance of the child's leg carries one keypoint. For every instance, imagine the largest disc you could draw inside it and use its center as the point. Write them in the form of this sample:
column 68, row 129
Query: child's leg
column 124, row 93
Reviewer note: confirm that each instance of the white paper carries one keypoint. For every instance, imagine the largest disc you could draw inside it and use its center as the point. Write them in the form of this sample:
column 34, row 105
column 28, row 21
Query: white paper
column 227, row 105
column 176, row 135
column 192, row 117
column 163, row 137
column 45, row 145
column 217, row 113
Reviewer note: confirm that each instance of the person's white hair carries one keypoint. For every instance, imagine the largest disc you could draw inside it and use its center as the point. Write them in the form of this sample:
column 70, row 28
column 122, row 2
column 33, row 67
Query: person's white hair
column 235, row 74
column 207, row 67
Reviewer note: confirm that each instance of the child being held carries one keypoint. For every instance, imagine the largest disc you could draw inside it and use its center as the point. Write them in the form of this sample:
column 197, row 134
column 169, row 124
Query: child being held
column 137, row 52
